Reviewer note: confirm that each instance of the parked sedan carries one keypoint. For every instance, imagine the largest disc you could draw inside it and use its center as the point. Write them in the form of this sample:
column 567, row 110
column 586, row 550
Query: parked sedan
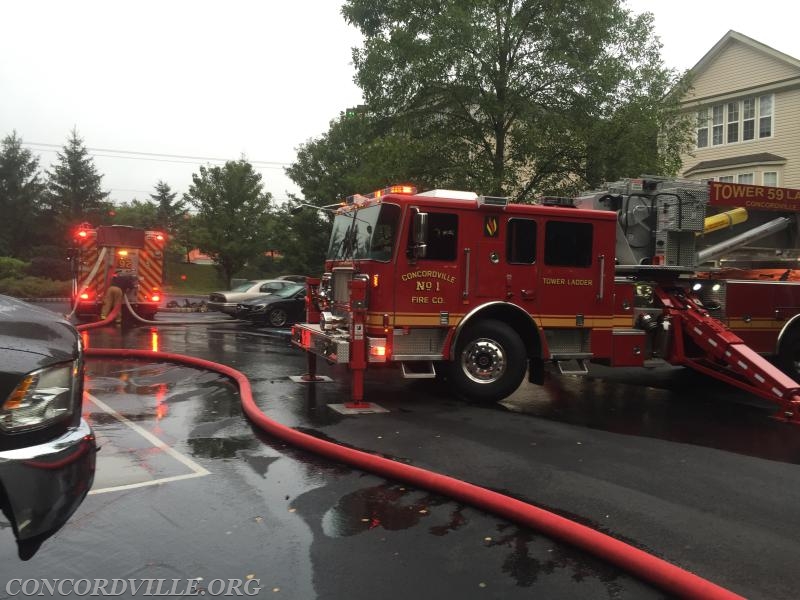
column 226, row 301
column 47, row 451
column 277, row 310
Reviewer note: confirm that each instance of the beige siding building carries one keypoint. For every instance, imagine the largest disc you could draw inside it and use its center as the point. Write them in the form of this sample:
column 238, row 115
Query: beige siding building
column 746, row 99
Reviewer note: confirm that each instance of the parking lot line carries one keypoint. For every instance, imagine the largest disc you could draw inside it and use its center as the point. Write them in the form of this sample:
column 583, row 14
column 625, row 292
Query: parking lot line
column 197, row 470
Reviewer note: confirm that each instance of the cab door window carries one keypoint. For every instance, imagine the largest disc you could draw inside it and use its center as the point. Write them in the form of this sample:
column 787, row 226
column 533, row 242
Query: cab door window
column 521, row 242
column 442, row 236
column 568, row 244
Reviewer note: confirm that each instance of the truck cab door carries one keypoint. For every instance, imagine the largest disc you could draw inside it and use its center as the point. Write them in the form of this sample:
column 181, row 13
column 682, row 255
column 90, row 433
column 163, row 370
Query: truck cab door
column 429, row 285
column 576, row 284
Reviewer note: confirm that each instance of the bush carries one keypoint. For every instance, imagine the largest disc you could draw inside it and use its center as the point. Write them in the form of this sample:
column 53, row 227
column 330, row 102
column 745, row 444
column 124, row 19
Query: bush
column 35, row 287
column 12, row 267
column 50, row 267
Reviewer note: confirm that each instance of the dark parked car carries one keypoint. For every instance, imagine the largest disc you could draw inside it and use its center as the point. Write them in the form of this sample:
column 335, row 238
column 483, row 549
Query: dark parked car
column 277, row 309
column 47, row 451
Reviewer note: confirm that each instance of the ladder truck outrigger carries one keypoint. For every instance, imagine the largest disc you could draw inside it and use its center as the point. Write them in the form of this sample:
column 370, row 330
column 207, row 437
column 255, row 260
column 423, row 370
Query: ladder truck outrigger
column 482, row 290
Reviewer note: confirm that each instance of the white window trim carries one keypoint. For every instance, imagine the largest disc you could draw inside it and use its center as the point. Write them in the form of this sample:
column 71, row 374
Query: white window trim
column 777, row 178
column 709, row 123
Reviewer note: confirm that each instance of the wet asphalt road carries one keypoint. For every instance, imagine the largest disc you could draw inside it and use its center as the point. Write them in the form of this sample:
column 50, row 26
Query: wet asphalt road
column 186, row 488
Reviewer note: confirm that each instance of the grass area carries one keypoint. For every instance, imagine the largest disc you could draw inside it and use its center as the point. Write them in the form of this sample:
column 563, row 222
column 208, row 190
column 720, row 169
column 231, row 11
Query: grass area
column 185, row 278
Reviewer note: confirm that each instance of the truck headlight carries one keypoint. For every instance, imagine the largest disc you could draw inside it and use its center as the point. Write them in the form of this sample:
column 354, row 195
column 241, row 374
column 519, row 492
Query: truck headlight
column 43, row 397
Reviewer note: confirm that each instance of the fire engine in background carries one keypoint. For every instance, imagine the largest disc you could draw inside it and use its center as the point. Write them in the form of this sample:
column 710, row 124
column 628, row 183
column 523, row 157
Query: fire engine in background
column 105, row 251
column 481, row 289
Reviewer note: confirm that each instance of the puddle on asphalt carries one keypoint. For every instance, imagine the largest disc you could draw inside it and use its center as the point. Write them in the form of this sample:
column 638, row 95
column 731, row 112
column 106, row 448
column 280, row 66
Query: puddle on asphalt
column 394, row 507
column 687, row 410
column 390, row 507
column 220, row 447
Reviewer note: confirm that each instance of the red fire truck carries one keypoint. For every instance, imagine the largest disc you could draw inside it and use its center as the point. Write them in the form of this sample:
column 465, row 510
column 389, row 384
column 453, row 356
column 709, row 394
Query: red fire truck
column 102, row 252
column 482, row 290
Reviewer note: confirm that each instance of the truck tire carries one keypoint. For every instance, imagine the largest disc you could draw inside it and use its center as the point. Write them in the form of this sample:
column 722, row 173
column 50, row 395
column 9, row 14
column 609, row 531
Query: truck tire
column 489, row 362
column 789, row 357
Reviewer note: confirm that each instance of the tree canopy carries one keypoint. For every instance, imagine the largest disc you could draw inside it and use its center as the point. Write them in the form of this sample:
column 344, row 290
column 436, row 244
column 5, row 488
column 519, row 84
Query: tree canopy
column 74, row 192
column 517, row 97
column 170, row 213
column 21, row 187
column 232, row 214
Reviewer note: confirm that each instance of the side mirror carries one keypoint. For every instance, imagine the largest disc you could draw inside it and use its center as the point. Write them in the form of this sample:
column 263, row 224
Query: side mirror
column 420, row 235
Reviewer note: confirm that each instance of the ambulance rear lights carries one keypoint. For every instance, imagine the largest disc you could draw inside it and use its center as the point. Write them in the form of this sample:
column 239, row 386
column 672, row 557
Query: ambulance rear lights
column 122, row 252
column 85, row 296
column 82, row 233
column 155, row 298
column 159, row 237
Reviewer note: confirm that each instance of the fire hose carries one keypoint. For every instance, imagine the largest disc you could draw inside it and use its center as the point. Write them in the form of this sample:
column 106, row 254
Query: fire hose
column 668, row 577
column 86, row 282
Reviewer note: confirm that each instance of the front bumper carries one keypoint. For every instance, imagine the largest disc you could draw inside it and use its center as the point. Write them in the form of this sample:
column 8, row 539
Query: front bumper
column 228, row 308
column 44, row 484
column 331, row 345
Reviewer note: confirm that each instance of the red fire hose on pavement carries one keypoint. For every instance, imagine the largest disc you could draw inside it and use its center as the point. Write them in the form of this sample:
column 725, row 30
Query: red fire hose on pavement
column 647, row 567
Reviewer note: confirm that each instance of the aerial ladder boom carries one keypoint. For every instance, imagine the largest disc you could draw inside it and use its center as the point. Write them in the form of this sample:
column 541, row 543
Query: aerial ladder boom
column 723, row 355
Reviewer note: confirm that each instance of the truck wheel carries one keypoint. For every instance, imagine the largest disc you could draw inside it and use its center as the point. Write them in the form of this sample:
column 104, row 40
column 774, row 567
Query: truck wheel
column 277, row 317
column 489, row 362
column 789, row 357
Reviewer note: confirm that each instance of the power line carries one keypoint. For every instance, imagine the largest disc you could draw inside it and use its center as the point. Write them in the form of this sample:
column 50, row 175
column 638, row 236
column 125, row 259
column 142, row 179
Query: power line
column 147, row 158
column 268, row 164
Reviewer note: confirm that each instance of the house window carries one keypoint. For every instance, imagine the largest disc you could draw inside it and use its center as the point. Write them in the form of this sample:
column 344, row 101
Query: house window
column 736, row 121
column 702, row 128
column 765, row 116
column 733, row 122
column 748, row 118
column 744, row 178
column 716, row 120
column 726, row 179
column 770, row 178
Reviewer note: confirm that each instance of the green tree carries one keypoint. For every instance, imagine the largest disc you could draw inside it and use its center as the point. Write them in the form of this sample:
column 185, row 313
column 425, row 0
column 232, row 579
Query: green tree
column 21, row 189
column 232, row 214
column 137, row 213
column 169, row 212
column 517, row 97
column 74, row 191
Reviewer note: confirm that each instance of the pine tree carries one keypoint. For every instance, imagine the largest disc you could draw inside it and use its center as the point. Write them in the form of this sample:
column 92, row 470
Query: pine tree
column 170, row 213
column 21, row 190
column 74, row 192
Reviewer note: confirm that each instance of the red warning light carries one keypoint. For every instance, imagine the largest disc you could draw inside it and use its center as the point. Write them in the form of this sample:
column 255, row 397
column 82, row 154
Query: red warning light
column 183, row 277
column 155, row 298
column 160, row 237
column 84, row 296
column 82, row 233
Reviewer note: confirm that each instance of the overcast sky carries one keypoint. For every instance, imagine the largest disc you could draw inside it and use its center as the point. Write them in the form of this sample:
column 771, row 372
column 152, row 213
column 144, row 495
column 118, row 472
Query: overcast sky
column 220, row 79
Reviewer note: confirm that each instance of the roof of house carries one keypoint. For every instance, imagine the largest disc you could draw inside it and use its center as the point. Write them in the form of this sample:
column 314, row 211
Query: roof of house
column 740, row 37
column 745, row 159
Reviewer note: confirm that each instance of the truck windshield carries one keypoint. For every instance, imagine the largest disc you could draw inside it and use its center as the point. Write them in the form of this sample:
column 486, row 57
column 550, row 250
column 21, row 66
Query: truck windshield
column 368, row 232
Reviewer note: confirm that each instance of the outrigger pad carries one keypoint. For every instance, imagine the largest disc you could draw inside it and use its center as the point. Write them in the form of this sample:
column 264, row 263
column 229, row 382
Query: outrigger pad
column 364, row 408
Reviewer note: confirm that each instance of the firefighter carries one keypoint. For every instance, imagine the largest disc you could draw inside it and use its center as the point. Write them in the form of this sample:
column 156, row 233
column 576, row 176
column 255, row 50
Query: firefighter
column 119, row 286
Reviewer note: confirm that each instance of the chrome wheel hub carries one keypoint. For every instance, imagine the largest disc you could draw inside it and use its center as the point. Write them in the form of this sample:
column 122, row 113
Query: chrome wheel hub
column 483, row 360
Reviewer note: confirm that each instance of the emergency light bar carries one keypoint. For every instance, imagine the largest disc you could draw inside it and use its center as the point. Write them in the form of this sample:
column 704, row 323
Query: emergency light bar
column 501, row 201
column 377, row 194
column 557, row 201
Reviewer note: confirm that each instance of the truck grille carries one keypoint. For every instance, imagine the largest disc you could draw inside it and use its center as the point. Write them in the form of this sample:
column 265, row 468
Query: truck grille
column 339, row 282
